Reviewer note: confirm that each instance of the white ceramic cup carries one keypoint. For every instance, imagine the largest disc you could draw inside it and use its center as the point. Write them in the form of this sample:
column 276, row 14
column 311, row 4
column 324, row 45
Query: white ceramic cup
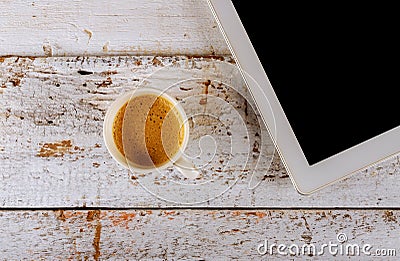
column 179, row 160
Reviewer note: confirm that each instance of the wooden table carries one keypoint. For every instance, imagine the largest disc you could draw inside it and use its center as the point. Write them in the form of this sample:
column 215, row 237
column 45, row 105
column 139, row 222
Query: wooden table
column 63, row 197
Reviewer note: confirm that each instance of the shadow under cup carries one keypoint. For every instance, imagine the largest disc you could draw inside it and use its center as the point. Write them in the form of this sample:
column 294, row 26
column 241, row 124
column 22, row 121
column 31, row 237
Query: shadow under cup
column 150, row 130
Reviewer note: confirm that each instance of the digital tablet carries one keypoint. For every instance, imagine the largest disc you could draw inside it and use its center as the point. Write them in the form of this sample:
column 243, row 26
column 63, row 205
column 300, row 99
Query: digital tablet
column 324, row 77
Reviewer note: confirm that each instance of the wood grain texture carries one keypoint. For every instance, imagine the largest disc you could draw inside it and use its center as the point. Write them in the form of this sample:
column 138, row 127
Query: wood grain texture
column 76, row 28
column 190, row 234
column 52, row 152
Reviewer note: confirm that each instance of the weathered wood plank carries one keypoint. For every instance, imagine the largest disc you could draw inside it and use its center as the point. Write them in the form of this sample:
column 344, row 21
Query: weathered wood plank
column 193, row 234
column 52, row 152
column 65, row 28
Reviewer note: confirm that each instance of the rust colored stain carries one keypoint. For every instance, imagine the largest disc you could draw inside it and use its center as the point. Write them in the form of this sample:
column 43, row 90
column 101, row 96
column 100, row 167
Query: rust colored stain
column 96, row 165
column 256, row 147
column 122, row 220
column 92, row 215
column 236, row 213
column 57, row 149
column 166, row 213
column 203, row 101
column 89, row 33
column 96, row 241
column 108, row 73
column 347, row 216
column 206, row 85
column 16, row 79
column 235, row 230
column 60, row 215
column 70, row 214
column 47, row 49
column 65, row 215
column 307, row 236
column 257, row 214
column 97, row 145
column 4, row 57
column 320, row 215
column 78, row 148
column 146, row 212
column 105, row 83
column 127, row 216
column 156, row 62
column 213, row 57
column 389, row 217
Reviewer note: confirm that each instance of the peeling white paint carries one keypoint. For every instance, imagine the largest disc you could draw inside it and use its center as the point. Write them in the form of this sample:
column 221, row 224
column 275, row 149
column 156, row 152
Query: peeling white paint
column 134, row 27
column 52, row 102
column 193, row 234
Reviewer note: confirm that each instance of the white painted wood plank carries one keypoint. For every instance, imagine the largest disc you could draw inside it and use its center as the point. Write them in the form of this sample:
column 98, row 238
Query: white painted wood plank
column 77, row 28
column 45, row 101
column 194, row 234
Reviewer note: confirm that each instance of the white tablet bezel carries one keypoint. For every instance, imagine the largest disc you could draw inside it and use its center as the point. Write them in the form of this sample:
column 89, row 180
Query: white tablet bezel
column 306, row 179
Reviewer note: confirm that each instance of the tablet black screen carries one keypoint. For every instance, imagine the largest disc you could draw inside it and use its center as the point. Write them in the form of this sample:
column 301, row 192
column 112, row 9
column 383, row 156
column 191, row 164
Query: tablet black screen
column 333, row 66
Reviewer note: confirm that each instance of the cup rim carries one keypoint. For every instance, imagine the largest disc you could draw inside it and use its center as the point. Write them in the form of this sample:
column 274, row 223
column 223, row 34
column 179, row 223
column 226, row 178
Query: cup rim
column 109, row 120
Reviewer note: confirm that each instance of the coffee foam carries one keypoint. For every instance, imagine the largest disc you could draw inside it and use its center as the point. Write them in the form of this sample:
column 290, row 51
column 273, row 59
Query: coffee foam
column 148, row 131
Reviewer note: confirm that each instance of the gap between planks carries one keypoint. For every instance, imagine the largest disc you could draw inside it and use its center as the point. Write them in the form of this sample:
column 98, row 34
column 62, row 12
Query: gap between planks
column 351, row 208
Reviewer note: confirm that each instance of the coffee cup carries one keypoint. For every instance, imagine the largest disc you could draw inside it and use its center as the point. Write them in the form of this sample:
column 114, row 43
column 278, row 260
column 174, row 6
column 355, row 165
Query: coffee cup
column 147, row 130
